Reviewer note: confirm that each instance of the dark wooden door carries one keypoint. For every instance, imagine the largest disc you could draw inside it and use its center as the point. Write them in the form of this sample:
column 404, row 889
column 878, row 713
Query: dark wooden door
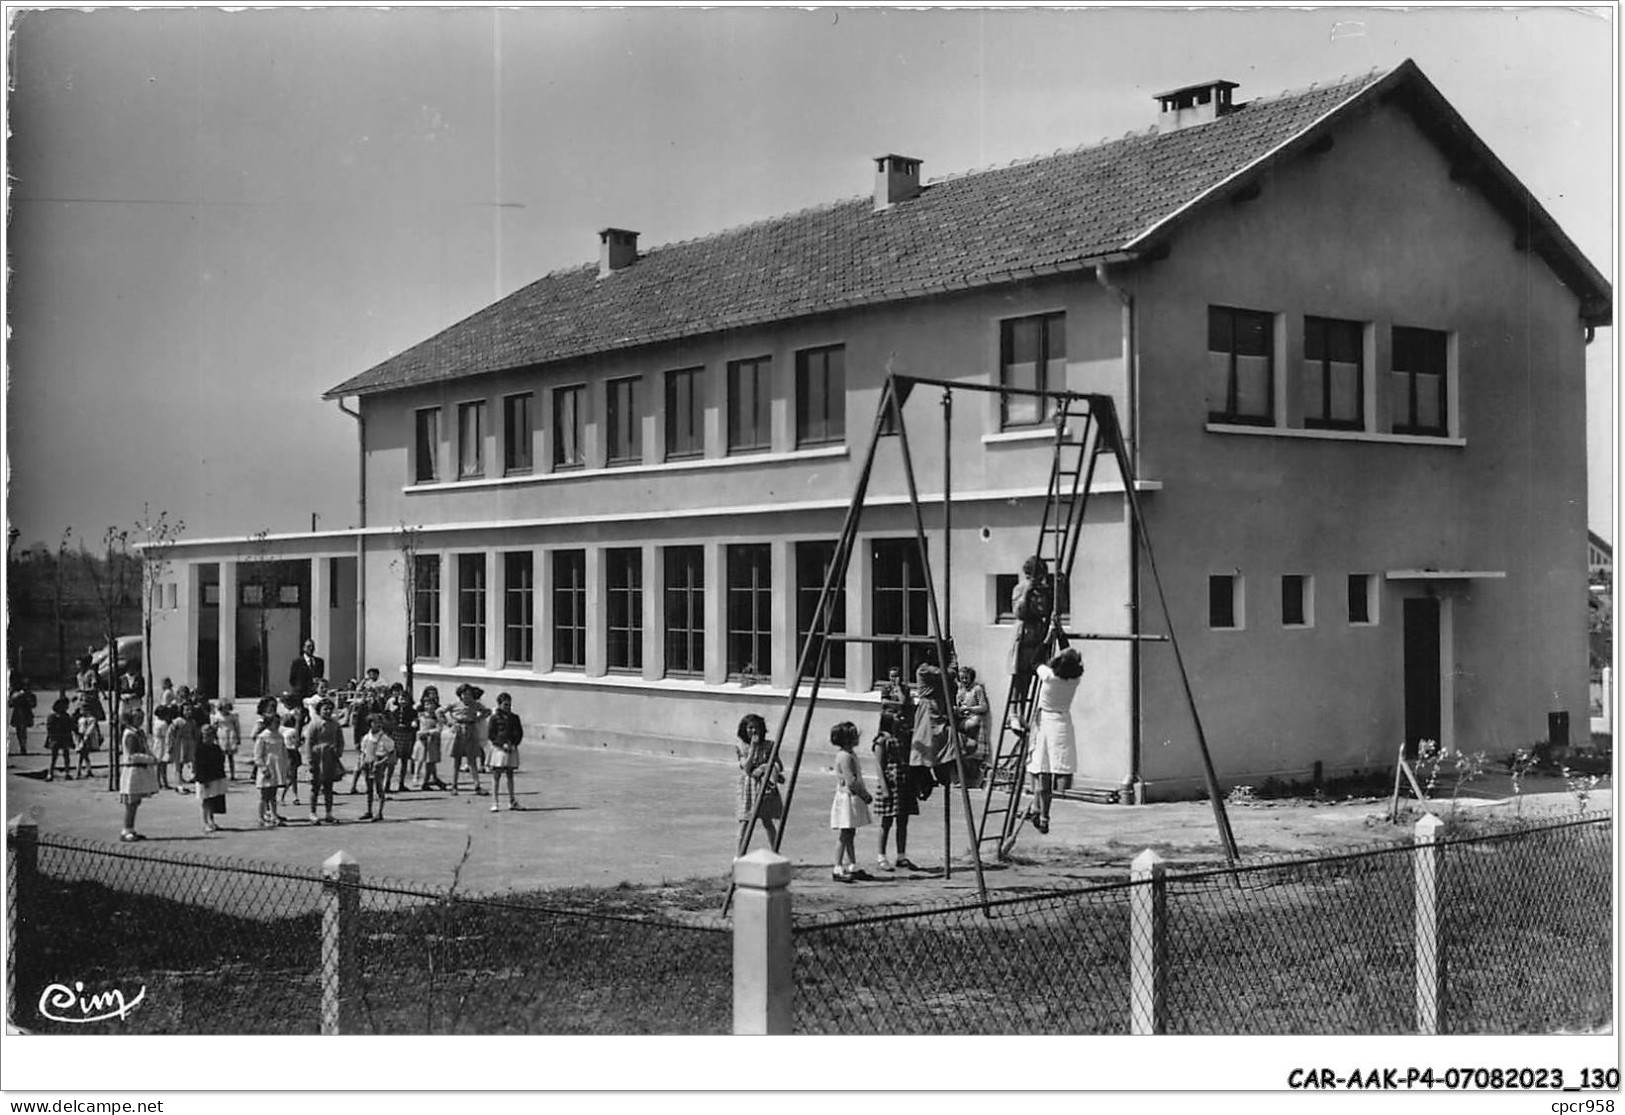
column 1421, row 672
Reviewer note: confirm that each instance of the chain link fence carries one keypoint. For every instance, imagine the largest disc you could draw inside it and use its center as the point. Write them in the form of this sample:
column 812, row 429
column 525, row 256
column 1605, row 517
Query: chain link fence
column 1322, row 945
column 216, row 946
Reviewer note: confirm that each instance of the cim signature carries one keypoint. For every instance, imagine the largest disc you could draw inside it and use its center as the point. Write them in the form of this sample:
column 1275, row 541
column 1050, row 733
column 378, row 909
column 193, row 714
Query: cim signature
column 98, row 1007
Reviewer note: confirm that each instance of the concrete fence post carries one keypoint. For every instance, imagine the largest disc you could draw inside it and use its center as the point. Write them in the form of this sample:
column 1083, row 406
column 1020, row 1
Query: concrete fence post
column 1428, row 867
column 22, row 873
column 1608, row 699
column 341, row 926
column 763, row 949
column 1148, row 945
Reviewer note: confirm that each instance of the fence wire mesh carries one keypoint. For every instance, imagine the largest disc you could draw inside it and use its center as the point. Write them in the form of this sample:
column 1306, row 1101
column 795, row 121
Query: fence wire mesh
column 1528, row 929
column 1050, row 964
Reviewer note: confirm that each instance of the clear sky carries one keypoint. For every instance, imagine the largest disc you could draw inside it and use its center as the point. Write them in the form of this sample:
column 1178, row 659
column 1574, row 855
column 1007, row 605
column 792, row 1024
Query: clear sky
column 216, row 216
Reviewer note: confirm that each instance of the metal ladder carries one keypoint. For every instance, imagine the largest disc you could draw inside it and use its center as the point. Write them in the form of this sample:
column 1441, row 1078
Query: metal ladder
column 1072, row 468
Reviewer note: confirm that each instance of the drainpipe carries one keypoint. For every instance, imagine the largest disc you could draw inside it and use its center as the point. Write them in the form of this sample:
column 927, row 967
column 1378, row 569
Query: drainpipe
column 1131, row 366
column 361, row 535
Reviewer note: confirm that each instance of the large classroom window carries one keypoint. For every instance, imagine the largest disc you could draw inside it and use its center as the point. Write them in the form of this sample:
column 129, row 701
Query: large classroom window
column 518, row 607
column 821, row 395
column 1241, row 366
column 901, row 607
column 1418, row 381
column 427, row 445
column 624, row 589
column 568, row 451
column 1333, row 367
column 685, row 611
column 750, row 395
column 685, row 419
column 516, row 434
column 471, row 607
column 569, row 609
column 1032, row 356
column 624, row 422
column 750, row 610
column 812, row 567
column 426, row 606
column 470, row 440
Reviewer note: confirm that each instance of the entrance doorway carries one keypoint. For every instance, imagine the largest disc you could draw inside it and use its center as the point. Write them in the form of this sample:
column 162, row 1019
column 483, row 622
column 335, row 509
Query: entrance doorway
column 1422, row 674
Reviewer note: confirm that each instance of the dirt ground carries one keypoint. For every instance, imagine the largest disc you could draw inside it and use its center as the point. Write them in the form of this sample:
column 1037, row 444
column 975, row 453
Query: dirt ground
column 596, row 818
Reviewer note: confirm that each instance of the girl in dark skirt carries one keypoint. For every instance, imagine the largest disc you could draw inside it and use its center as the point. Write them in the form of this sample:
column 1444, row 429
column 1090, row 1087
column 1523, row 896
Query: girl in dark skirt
column 896, row 803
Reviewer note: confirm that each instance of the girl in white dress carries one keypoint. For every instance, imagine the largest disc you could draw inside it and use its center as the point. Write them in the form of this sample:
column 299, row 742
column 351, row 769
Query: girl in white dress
column 1054, row 756
column 850, row 809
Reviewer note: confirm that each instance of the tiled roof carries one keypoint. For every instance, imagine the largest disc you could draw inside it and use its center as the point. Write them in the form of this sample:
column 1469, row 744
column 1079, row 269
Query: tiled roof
column 1035, row 216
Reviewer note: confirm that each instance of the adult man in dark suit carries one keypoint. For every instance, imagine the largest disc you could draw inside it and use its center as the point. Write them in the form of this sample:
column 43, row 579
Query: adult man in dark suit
column 305, row 670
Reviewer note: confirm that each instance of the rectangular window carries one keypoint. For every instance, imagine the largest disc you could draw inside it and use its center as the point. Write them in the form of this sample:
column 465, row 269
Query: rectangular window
column 1241, row 366
column 1032, row 356
column 1297, row 601
column 427, row 445
column 685, row 420
column 518, row 608
column 1224, row 602
column 1004, row 589
column 1418, row 381
column 570, row 609
column 471, row 607
column 750, row 610
column 685, row 611
column 900, row 607
column 812, row 568
column 624, row 570
column 625, row 424
column 470, row 440
column 568, row 451
column 1334, row 375
column 750, row 395
column 821, row 395
column 251, row 594
column 516, row 434
column 426, row 606
column 1362, row 599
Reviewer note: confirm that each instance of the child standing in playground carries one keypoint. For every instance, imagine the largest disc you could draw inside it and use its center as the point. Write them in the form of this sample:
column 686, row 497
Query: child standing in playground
column 270, row 761
column 758, row 794
column 209, row 772
column 850, row 809
column 228, row 730
column 59, row 739
column 897, row 800
column 163, row 720
column 376, row 753
column 89, row 733
column 505, row 734
column 429, row 725
column 293, row 746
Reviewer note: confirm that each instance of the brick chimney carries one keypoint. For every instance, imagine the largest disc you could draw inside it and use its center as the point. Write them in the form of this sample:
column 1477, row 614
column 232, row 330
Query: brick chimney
column 897, row 178
column 1194, row 104
column 618, row 247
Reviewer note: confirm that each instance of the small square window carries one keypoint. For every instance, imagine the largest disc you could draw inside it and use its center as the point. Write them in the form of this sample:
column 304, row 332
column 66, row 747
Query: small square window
column 288, row 594
column 1362, row 599
column 1224, row 602
column 1297, row 601
column 211, row 594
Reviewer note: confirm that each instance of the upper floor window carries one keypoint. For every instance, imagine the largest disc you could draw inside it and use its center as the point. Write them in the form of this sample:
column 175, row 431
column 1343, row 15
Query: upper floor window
column 1297, row 600
column 1418, row 381
column 821, row 395
column 1241, row 366
column 516, row 434
column 1032, row 356
column 1334, row 374
column 567, row 443
column 749, row 397
column 625, row 424
column 1224, row 602
column 470, row 440
column 1362, row 598
column 685, row 421
column 427, row 445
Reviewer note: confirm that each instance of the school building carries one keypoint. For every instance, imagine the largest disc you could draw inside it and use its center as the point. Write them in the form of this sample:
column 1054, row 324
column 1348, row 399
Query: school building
column 1347, row 344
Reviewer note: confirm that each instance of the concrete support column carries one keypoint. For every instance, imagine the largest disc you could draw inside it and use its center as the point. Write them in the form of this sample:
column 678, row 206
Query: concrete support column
column 321, row 618
column 226, row 685
column 191, row 607
column 448, row 610
column 597, row 564
column 785, row 649
column 716, row 613
column 544, row 611
column 654, row 612
column 495, row 611
column 763, row 949
column 860, row 657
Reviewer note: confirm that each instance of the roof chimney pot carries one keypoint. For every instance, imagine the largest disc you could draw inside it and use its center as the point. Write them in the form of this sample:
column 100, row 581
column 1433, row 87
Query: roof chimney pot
column 897, row 178
column 617, row 248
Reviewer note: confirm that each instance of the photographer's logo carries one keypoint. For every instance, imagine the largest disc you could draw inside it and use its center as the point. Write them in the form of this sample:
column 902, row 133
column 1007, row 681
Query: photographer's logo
column 61, row 1003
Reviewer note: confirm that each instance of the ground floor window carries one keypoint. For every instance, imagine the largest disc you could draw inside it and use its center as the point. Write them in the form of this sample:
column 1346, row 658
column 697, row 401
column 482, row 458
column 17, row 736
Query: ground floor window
column 685, row 611
column 570, row 609
column 471, row 607
column 624, row 573
column 750, row 610
column 813, row 560
column 901, row 607
column 519, row 607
